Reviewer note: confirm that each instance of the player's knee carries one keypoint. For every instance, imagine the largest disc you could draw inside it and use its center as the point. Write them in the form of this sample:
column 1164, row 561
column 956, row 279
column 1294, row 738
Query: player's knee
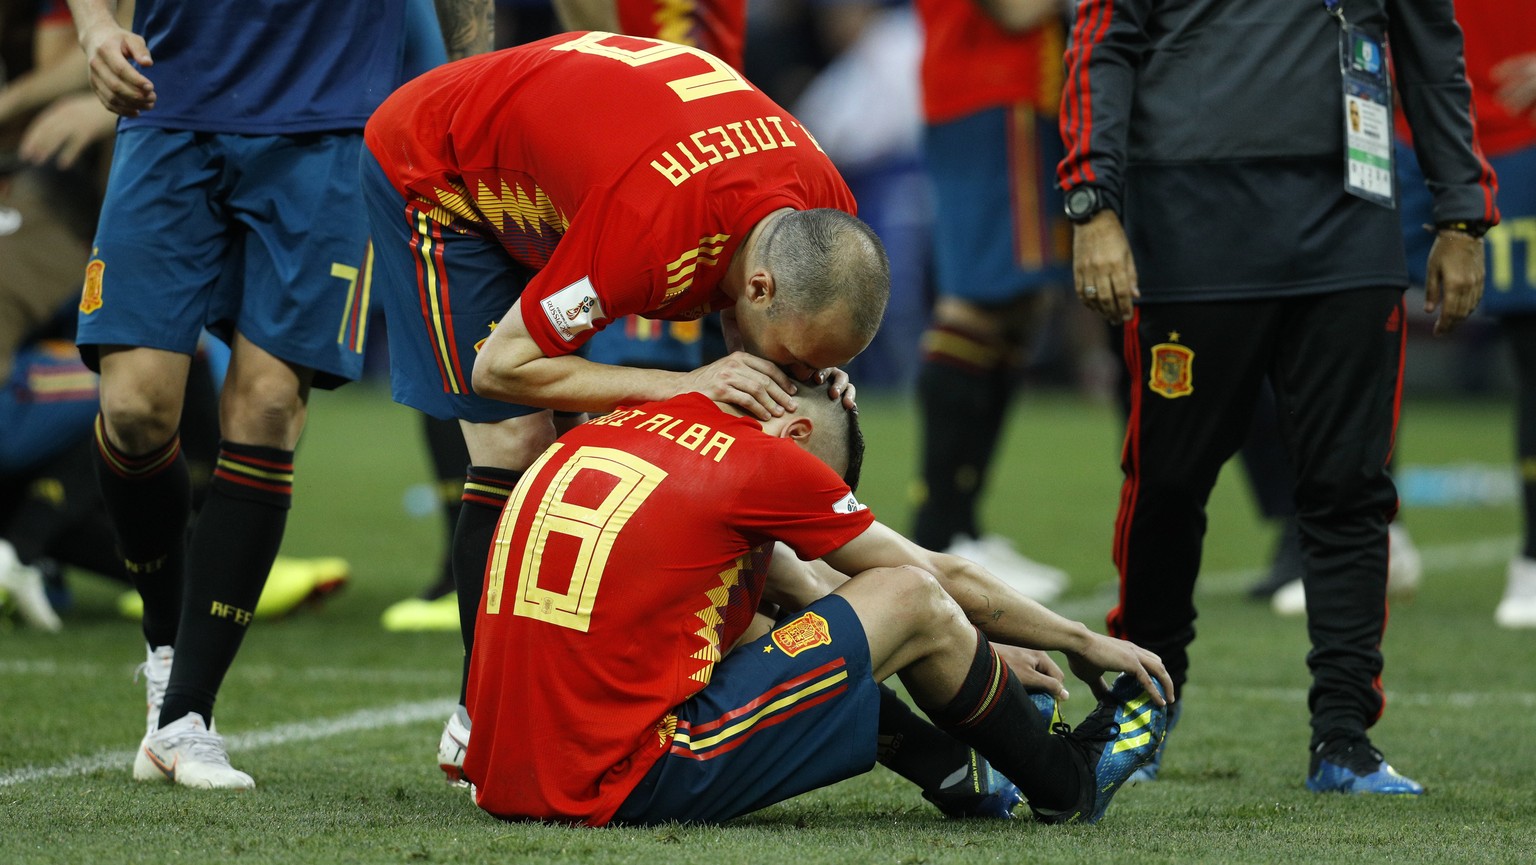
column 921, row 597
column 264, row 411
column 139, row 419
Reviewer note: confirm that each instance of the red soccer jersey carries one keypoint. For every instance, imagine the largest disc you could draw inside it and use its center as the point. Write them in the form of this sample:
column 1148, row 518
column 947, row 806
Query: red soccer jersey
column 626, row 170
column 631, row 555
column 971, row 64
column 1495, row 31
column 717, row 26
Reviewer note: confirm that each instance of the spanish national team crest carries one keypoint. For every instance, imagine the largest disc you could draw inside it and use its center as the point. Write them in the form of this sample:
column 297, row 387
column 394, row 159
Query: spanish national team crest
column 1172, row 369
column 806, row 632
column 90, row 296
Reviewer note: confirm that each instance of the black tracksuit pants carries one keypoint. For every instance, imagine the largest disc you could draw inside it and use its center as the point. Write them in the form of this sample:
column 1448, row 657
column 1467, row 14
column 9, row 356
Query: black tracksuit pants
column 1196, row 370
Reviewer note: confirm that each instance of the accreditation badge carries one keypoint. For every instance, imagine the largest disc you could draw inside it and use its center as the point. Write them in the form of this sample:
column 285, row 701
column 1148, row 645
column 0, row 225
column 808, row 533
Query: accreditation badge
column 1368, row 169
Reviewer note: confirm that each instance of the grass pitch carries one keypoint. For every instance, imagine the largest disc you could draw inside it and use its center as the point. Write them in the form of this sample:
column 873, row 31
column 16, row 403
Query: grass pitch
column 338, row 720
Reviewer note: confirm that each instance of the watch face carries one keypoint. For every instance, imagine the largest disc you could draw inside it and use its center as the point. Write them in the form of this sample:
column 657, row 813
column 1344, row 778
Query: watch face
column 1082, row 202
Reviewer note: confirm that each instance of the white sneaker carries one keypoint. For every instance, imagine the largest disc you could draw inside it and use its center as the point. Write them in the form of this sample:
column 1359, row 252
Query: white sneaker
column 1518, row 607
column 1405, row 571
column 1405, row 567
column 188, row 753
column 24, row 584
column 1033, row 579
column 453, row 744
column 156, row 671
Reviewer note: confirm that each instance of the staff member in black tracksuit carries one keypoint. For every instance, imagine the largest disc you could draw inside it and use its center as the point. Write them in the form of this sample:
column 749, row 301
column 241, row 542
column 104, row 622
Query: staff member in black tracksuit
column 1214, row 132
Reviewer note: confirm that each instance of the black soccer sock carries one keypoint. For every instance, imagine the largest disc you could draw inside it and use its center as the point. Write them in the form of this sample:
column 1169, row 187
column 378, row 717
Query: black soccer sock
column 485, row 491
column 915, row 749
column 992, row 713
column 149, row 498
column 445, row 445
column 1521, row 330
column 964, row 388
column 238, row 534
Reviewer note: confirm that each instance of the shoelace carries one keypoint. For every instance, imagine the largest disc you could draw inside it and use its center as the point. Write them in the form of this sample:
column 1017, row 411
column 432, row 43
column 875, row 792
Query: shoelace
column 203, row 746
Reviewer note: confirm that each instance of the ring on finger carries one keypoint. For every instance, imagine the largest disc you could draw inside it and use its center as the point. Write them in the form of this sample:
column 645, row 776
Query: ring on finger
column 1090, row 290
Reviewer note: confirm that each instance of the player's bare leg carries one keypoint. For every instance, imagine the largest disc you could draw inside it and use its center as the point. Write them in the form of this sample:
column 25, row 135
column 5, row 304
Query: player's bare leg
column 916, row 630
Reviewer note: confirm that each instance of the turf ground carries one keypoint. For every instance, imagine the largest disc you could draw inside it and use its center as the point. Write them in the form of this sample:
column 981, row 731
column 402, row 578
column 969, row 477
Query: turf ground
column 338, row 720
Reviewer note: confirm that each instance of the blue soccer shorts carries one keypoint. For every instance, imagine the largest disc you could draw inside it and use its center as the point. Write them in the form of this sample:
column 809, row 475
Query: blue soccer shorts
column 783, row 715
column 252, row 233
column 999, row 232
column 443, row 293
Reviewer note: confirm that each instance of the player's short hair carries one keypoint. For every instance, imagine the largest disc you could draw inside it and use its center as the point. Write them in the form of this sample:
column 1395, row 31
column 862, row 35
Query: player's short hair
column 837, row 439
column 823, row 256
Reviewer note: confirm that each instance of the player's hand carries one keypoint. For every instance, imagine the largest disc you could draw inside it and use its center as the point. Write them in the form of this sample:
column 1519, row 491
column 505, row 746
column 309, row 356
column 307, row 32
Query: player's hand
column 1454, row 282
column 1516, row 78
column 65, row 129
column 1103, row 269
column 112, row 51
column 1107, row 654
column 1034, row 669
column 838, row 385
column 747, row 381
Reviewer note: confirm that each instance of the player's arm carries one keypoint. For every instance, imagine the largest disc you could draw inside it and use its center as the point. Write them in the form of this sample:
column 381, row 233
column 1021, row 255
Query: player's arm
column 513, row 367
column 1001, row 612
column 58, row 70
column 111, row 50
column 588, row 14
column 469, row 26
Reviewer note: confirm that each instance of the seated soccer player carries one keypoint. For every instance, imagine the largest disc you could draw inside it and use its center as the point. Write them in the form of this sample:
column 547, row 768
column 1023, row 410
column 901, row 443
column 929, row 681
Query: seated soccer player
column 603, row 686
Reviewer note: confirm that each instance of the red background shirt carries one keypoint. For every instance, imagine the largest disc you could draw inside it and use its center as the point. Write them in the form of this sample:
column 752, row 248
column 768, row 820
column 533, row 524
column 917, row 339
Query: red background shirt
column 970, row 63
column 627, row 560
column 627, row 170
column 717, row 26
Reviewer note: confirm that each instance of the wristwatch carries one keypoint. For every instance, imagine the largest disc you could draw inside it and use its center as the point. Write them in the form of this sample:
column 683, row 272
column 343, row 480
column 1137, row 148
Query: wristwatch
column 1082, row 202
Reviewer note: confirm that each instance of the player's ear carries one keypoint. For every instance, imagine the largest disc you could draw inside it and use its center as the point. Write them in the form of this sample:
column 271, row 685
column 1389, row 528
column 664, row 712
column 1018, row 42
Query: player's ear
column 760, row 286
column 798, row 430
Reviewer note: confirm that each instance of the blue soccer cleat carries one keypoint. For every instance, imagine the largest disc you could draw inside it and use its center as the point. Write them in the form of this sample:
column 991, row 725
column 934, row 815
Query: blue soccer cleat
column 1116, row 739
column 976, row 791
column 1357, row 768
column 1148, row 772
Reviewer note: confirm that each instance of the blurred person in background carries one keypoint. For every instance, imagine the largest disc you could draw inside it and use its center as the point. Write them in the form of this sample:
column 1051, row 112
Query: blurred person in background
column 991, row 83
column 1501, row 64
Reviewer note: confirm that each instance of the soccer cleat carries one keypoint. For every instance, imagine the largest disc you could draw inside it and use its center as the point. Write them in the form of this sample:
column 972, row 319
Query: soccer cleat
column 1148, row 771
column 156, row 671
column 1046, row 703
column 188, row 753
column 418, row 614
column 1115, row 739
column 1032, row 579
column 23, row 584
column 452, row 745
column 1357, row 768
column 1517, row 609
column 976, row 790
column 291, row 583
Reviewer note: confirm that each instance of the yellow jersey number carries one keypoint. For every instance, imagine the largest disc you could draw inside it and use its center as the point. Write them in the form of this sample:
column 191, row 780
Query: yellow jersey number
column 720, row 79
column 1501, row 252
column 593, row 528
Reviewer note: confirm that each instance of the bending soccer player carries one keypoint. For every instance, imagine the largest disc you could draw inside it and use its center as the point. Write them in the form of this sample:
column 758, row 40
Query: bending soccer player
column 604, row 687
column 522, row 200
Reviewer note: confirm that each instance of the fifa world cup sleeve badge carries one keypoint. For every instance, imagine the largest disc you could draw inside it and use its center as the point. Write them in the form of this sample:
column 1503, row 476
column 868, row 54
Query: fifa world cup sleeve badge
column 1172, row 369
column 90, row 296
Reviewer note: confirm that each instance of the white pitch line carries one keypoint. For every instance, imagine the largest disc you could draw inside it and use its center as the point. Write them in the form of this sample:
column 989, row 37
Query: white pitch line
column 305, row 731
column 254, row 673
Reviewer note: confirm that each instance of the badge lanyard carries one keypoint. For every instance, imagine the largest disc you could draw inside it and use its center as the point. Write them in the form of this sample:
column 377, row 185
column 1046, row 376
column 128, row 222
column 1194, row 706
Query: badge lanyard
column 1368, row 171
